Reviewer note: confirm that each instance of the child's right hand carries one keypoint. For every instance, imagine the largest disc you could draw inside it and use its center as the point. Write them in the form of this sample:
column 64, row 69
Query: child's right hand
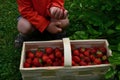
column 54, row 27
column 58, row 13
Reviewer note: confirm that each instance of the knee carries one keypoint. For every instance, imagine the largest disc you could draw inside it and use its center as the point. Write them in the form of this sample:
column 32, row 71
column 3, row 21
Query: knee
column 24, row 26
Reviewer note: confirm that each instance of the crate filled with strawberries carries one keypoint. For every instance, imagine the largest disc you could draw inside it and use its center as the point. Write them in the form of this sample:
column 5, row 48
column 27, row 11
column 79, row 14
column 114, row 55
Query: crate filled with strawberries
column 65, row 59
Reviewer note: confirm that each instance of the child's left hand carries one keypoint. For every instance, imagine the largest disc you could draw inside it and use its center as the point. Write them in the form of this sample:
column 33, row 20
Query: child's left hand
column 58, row 13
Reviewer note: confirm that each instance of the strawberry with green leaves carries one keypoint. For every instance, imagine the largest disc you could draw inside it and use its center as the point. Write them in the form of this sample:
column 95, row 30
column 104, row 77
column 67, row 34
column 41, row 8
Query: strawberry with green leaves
column 39, row 54
column 36, row 62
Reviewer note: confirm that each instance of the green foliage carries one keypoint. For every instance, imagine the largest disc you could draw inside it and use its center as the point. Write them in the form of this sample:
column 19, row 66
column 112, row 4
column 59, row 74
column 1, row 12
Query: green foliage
column 97, row 19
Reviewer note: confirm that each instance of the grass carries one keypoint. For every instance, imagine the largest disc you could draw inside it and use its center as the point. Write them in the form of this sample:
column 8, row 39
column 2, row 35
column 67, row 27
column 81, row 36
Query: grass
column 9, row 56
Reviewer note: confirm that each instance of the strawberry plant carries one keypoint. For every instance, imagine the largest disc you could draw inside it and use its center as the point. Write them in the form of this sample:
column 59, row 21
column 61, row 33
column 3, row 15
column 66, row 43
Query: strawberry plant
column 97, row 19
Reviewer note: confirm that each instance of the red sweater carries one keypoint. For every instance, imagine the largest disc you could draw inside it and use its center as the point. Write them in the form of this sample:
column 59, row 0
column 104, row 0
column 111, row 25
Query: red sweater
column 36, row 11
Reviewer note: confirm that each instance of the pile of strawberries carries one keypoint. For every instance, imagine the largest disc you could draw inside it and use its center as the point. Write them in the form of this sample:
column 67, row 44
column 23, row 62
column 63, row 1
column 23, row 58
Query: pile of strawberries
column 43, row 58
column 89, row 56
column 55, row 57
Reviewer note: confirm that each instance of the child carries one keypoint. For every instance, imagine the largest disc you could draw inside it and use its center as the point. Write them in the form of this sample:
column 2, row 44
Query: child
column 40, row 19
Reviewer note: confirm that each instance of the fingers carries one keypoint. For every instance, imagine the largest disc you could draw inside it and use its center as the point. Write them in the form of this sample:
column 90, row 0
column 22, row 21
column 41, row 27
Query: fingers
column 57, row 13
column 65, row 14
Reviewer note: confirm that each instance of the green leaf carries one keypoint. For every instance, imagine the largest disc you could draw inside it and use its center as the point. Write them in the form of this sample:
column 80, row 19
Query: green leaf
column 119, row 75
column 119, row 47
column 118, row 27
column 110, row 31
column 110, row 73
column 115, row 59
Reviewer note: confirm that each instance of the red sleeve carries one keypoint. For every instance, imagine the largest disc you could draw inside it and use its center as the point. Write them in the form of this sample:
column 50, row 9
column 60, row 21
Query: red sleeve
column 58, row 3
column 26, row 10
column 55, row 3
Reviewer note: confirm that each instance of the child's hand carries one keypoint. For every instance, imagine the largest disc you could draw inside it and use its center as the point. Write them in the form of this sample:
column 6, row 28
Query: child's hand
column 58, row 13
column 54, row 27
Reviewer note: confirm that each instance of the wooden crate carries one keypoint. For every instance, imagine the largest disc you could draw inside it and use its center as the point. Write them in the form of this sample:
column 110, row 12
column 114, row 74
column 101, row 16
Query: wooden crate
column 66, row 72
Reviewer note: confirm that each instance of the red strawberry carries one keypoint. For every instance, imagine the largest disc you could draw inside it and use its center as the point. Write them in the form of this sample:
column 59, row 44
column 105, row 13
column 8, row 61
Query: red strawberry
column 57, row 49
column 86, row 53
column 39, row 54
column 76, row 59
column 93, row 51
column 89, row 63
column 28, row 60
column 102, row 49
column 51, row 56
column 99, row 54
column 87, row 59
column 97, row 61
column 26, row 65
column 45, row 58
column 30, row 55
column 48, row 50
column 76, row 52
column 62, row 64
column 83, row 63
column 73, row 63
column 58, row 54
column 49, row 62
column 81, row 56
column 81, row 49
column 106, row 62
column 92, row 57
column 56, row 64
column 36, row 62
column 62, row 59
column 88, row 49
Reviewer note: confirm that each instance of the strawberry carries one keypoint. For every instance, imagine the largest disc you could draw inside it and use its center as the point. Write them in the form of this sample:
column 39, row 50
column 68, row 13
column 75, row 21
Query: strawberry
column 62, row 64
column 87, row 59
column 30, row 55
column 93, row 51
column 81, row 56
column 58, row 54
column 45, row 58
column 97, row 61
column 55, row 64
column 49, row 62
column 86, row 53
column 52, row 57
column 36, row 62
column 28, row 60
column 81, row 49
column 102, row 49
column 76, row 59
column 62, row 59
column 76, row 52
column 39, row 54
column 26, row 65
column 83, row 63
column 106, row 62
column 104, row 57
column 89, row 63
column 48, row 50
column 92, row 57
column 57, row 49
column 73, row 63
column 99, row 54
